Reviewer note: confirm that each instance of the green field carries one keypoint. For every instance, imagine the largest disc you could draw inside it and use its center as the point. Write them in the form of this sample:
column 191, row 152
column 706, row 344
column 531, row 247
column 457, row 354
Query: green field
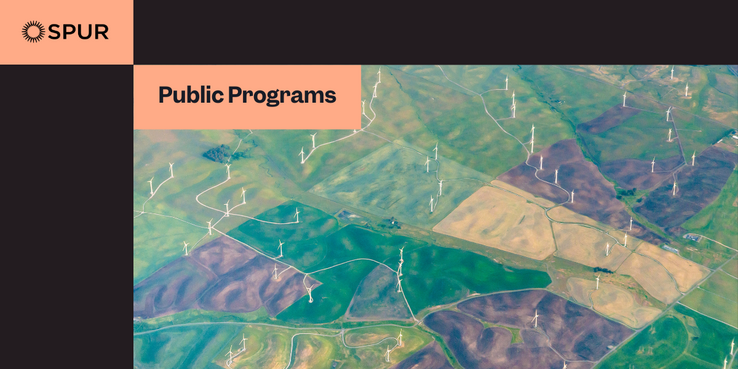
column 723, row 285
column 731, row 268
column 436, row 275
column 393, row 181
column 713, row 305
column 718, row 220
column 179, row 347
column 682, row 338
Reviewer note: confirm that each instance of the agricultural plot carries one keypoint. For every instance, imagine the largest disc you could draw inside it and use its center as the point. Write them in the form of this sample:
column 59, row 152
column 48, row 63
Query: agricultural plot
column 392, row 181
column 731, row 268
column 435, row 276
column 634, row 173
column 652, row 276
column 697, row 186
column 588, row 246
column 611, row 301
column 376, row 298
column 685, row 272
column 594, row 196
column 717, row 220
column 717, row 306
column 682, row 338
column 220, row 276
column 503, row 220
column 430, row 357
column 180, row 347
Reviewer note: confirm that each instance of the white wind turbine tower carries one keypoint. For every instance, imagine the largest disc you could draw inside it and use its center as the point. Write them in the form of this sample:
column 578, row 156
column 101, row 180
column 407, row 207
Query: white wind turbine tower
column 379, row 75
column 297, row 216
column 210, row 227
column 228, row 169
column 669, row 135
column 362, row 108
column 387, row 357
column 672, row 72
column 541, row 165
column 607, row 249
column 230, row 355
column 171, row 171
column 513, row 109
column 313, row 136
column 652, row 163
column 227, row 214
column 310, row 292
column 302, row 155
column 725, row 363
column 572, row 196
column 427, row 164
column 686, row 90
column 731, row 346
column 624, row 98
column 151, row 185
column 280, row 248
column 243, row 339
column 399, row 338
column 505, row 82
column 693, row 153
column 513, row 97
column 535, row 320
column 631, row 224
column 436, row 151
column 374, row 95
column 556, row 177
column 399, row 285
column 243, row 195
column 667, row 113
column 532, row 137
column 431, row 203
column 625, row 240
column 399, row 269
column 275, row 271
column 564, row 365
column 673, row 190
column 440, row 187
column 185, row 248
column 401, row 248
column 598, row 282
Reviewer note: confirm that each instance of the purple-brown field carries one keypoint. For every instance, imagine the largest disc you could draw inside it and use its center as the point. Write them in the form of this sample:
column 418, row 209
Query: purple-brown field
column 611, row 118
column 594, row 196
column 697, row 186
column 221, row 275
column 630, row 173
column 429, row 357
column 564, row 330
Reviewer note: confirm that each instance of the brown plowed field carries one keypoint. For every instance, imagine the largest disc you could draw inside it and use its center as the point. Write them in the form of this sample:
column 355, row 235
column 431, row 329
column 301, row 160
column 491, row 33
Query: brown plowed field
column 221, row 275
column 430, row 357
column 611, row 118
column 629, row 173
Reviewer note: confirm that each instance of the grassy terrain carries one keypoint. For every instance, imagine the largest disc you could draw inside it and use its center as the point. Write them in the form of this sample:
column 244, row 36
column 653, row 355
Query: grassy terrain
column 393, row 181
column 731, row 268
column 680, row 339
column 178, row 347
column 718, row 220
column 435, row 276
column 713, row 305
column 723, row 285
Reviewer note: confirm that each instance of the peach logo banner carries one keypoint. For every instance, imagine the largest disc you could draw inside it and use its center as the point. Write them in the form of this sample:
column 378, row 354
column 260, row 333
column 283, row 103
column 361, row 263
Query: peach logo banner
column 247, row 97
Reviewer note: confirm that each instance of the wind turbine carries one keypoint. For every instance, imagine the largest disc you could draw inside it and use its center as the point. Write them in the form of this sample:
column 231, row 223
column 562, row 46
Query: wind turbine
column 275, row 271
column 374, row 95
column 399, row 338
column 535, row 320
column 210, row 228
column 669, row 135
column 631, row 224
column 607, row 249
column 625, row 240
column 686, row 90
column 226, row 205
column 572, row 196
column 399, row 285
column 564, row 365
column 624, row 98
column 541, row 165
column 243, row 194
column 673, row 190
column 230, row 355
column 513, row 109
column 310, row 290
column 667, row 113
column 151, row 185
column 672, row 72
column 436, row 150
column 379, row 75
column 598, row 282
column 731, row 346
column 228, row 169
column 313, row 136
column 532, row 132
column 387, row 357
column 431, row 203
column 652, row 163
column 556, row 177
column 427, row 164
column 362, row 107
column 399, row 270
column 302, row 155
column 280, row 248
column 185, row 248
column 505, row 82
column 243, row 339
column 171, row 171
column 513, row 97
column 440, row 187
column 297, row 216
column 693, row 153
column 725, row 363
column 401, row 248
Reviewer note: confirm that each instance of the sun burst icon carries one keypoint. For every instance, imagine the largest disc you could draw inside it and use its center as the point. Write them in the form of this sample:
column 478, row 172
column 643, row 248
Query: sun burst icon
column 33, row 31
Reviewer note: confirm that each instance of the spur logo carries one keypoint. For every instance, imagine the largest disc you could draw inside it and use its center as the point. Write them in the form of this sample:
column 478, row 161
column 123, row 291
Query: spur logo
column 34, row 31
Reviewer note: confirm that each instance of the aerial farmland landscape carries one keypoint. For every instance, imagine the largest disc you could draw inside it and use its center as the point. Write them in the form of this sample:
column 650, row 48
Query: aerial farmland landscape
column 594, row 227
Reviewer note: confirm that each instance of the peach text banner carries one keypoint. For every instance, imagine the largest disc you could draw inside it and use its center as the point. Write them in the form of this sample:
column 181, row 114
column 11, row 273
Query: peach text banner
column 87, row 16
column 343, row 113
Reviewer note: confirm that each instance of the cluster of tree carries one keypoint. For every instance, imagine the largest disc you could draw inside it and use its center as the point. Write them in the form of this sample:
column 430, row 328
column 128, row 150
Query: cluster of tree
column 603, row 270
column 219, row 154
column 390, row 223
column 621, row 193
